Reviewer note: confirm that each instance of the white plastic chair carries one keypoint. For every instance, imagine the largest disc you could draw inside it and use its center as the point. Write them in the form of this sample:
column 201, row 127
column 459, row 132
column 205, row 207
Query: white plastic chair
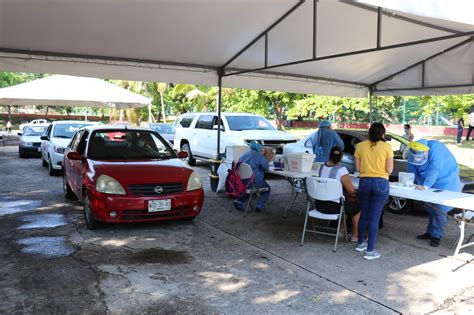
column 246, row 173
column 324, row 189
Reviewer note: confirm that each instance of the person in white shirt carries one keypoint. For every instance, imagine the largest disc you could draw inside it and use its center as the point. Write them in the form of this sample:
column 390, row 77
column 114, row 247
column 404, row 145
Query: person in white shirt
column 333, row 169
column 471, row 124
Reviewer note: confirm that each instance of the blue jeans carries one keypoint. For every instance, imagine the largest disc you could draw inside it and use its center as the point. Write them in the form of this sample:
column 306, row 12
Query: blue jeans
column 373, row 194
column 437, row 220
column 260, row 202
column 459, row 134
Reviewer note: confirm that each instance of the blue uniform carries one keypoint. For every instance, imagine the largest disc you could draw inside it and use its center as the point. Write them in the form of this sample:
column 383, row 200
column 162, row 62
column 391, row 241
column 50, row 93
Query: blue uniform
column 441, row 171
column 259, row 165
column 323, row 141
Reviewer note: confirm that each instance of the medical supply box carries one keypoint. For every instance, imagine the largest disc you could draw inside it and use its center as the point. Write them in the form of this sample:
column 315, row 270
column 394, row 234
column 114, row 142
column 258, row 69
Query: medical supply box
column 300, row 162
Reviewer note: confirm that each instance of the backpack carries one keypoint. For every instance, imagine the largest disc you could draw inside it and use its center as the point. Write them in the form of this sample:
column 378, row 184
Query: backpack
column 234, row 185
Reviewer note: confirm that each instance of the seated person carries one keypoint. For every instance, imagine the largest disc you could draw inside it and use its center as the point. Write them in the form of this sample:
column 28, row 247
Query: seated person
column 258, row 161
column 332, row 169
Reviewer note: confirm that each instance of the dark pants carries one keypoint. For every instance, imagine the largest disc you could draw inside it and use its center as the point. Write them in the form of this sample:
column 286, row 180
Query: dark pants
column 261, row 201
column 373, row 194
column 460, row 130
column 469, row 132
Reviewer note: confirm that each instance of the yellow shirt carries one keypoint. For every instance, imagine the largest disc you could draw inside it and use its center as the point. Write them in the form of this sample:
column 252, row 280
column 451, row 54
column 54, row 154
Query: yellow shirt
column 373, row 158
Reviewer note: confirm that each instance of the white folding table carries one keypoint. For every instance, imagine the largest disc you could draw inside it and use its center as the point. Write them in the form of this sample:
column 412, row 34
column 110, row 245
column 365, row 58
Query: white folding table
column 459, row 200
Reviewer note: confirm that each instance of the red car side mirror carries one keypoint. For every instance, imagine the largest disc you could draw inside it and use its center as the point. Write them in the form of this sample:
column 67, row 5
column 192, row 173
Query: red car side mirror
column 75, row 156
column 182, row 154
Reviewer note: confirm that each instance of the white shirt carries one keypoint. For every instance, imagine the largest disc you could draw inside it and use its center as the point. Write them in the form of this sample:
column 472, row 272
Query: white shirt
column 326, row 170
column 471, row 119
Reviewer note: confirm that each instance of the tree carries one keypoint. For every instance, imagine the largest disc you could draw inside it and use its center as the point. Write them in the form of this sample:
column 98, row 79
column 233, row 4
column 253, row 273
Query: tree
column 161, row 87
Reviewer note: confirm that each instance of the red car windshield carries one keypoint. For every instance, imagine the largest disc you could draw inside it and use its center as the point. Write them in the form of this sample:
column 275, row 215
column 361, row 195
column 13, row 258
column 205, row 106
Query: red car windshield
column 128, row 144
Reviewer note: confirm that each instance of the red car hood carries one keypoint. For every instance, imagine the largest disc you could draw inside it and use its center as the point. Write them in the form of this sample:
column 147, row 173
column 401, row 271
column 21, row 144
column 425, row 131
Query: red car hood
column 142, row 172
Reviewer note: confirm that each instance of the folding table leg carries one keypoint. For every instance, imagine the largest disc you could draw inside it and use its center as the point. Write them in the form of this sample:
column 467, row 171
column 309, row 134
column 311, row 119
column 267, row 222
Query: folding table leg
column 461, row 237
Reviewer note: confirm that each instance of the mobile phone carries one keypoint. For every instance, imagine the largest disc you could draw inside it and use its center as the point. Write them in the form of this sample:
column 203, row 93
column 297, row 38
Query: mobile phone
column 437, row 190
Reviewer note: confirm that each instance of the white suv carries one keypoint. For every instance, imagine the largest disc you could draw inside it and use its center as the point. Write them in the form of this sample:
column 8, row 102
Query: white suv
column 196, row 133
column 55, row 140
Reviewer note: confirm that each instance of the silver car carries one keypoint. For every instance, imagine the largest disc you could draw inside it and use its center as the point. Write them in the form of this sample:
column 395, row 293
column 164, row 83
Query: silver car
column 351, row 138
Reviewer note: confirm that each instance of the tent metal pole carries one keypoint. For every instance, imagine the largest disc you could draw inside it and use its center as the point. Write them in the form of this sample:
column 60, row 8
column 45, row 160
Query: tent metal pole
column 426, row 87
column 379, row 27
column 370, row 105
column 467, row 41
column 283, row 17
column 356, row 52
column 219, row 107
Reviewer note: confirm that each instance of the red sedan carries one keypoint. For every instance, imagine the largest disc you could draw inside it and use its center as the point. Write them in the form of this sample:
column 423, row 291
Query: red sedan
column 126, row 174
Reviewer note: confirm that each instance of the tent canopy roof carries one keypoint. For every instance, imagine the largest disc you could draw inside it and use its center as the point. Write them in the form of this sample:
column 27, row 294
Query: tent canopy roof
column 61, row 90
column 334, row 48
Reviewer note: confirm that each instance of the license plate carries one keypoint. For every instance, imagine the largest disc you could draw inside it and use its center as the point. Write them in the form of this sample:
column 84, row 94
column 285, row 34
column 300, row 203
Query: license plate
column 159, row 205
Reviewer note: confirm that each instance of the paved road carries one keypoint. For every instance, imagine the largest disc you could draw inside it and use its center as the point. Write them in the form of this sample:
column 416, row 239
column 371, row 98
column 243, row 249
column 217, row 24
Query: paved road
column 220, row 263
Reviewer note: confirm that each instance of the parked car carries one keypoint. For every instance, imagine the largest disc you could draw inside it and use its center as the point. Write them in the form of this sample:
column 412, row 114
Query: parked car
column 167, row 131
column 351, row 138
column 33, row 122
column 30, row 141
column 196, row 133
column 126, row 174
column 55, row 140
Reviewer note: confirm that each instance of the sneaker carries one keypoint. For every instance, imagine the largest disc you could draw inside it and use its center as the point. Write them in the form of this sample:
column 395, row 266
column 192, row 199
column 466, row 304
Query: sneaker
column 435, row 241
column 372, row 255
column 361, row 247
column 425, row 236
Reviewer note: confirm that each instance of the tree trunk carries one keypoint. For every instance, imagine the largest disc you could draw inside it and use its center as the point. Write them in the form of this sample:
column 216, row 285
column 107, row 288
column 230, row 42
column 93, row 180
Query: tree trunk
column 46, row 112
column 9, row 108
column 121, row 115
column 162, row 107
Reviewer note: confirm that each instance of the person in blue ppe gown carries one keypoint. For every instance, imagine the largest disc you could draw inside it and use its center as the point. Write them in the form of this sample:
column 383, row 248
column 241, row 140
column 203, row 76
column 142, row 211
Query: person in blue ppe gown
column 259, row 162
column 323, row 140
column 435, row 167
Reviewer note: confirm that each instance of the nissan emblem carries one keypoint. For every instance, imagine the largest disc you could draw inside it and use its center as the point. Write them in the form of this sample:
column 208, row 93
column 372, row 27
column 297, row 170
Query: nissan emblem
column 158, row 189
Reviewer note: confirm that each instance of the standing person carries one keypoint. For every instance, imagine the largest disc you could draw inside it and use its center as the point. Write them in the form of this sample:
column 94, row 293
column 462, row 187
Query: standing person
column 374, row 161
column 323, row 140
column 258, row 161
column 434, row 167
column 407, row 134
column 460, row 130
column 333, row 169
column 9, row 126
column 471, row 124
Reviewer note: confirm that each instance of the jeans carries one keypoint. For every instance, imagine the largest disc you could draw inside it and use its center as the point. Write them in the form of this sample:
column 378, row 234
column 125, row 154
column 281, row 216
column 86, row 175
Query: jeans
column 373, row 194
column 460, row 130
column 437, row 220
column 260, row 202
column 469, row 132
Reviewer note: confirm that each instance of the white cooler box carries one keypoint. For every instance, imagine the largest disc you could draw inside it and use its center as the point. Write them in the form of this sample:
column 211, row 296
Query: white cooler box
column 234, row 152
column 300, row 162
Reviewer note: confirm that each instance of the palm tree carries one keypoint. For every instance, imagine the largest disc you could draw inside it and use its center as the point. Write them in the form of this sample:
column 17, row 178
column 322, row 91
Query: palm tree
column 161, row 87
column 198, row 95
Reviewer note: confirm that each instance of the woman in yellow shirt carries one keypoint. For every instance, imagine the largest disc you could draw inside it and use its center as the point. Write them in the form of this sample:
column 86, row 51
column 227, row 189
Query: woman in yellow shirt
column 374, row 161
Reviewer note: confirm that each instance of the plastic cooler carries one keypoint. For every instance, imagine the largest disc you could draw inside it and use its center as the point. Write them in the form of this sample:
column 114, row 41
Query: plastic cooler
column 234, row 152
column 300, row 162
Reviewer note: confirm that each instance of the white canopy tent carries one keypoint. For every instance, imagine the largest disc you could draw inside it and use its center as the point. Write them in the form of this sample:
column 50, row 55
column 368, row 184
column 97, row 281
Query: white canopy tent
column 64, row 90
column 324, row 47
column 339, row 48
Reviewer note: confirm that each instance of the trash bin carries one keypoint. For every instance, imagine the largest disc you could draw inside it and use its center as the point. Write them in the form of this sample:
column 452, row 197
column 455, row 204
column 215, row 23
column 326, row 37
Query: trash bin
column 214, row 179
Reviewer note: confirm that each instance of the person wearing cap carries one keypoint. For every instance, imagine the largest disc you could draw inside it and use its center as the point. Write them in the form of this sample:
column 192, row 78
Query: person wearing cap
column 323, row 140
column 258, row 159
column 435, row 167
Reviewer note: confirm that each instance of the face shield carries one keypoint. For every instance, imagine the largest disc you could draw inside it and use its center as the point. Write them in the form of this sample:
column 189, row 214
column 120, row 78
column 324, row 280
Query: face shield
column 418, row 153
column 416, row 157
